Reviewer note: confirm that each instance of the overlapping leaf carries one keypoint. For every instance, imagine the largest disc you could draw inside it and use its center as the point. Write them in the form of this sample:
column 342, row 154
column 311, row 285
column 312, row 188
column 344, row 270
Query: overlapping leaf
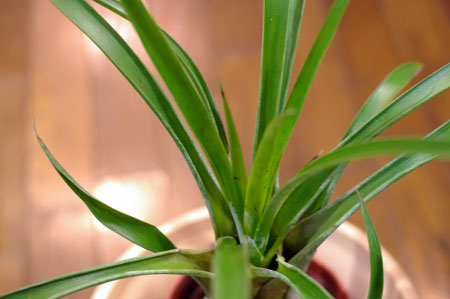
column 316, row 228
column 254, row 206
column 299, row 281
column 237, row 157
column 393, row 112
column 189, row 101
column 231, row 267
column 126, row 61
column 281, row 28
column 345, row 154
column 135, row 230
column 376, row 260
column 170, row 262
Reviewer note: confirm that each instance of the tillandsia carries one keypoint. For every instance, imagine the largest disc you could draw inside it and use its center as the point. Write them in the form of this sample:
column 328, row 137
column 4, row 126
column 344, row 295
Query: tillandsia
column 265, row 233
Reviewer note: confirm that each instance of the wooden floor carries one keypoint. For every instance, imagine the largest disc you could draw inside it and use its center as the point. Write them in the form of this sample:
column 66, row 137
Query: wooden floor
column 103, row 133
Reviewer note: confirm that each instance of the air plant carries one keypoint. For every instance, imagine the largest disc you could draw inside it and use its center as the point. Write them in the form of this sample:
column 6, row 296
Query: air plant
column 266, row 233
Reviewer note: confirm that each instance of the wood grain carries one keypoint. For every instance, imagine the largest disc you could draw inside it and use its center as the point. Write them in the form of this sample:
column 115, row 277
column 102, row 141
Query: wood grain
column 100, row 130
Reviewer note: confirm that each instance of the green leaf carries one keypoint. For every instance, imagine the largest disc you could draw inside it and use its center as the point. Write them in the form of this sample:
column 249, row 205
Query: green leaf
column 181, row 262
column 200, row 85
column 237, row 158
column 188, row 100
column 316, row 228
column 384, row 94
column 126, row 61
column 277, row 224
column 135, row 230
column 254, row 206
column 264, row 169
column 419, row 94
column 114, row 6
column 349, row 153
column 376, row 112
column 281, row 28
column 299, row 281
column 189, row 66
column 231, row 268
column 376, row 260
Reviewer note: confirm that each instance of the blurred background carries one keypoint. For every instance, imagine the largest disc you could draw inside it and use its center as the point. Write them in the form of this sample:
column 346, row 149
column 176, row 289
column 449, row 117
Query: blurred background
column 108, row 139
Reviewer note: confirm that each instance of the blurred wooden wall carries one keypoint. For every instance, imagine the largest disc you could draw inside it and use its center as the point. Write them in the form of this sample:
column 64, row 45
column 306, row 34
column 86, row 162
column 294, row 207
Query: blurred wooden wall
column 99, row 129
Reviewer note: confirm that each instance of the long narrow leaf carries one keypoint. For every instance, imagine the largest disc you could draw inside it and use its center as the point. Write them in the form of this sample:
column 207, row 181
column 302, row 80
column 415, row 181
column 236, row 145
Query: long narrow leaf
column 416, row 96
column 189, row 66
column 188, row 100
column 126, row 61
column 200, row 84
column 231, row 268
column 281, row 27
column 299, row 281
column 254, row 206
column 170, row 262
column 384, row 93
column 377, row 107
column 264, row 170
column 237, row 157
column 297, row 203
column 316, row 228
column 349, row 153
column 113, row 5
column 135, row 230
column 376, row 260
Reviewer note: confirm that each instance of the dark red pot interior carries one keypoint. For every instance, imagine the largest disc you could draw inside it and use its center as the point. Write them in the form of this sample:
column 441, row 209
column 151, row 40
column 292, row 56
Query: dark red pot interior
column 187, row 288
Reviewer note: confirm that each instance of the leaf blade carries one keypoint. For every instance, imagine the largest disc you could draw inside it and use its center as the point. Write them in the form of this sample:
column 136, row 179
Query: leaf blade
column 134, row 230
column 353, row 152
column 126, row 61
column 189, row 102
column 169, row 262
column 376, row 260
column 281, row 28
column 384, row 93
column 237, row 157
column 231, row 268
column 320, row 225
column 264, row 169
column 377, row 107
column 298, row 280
column 294, row 105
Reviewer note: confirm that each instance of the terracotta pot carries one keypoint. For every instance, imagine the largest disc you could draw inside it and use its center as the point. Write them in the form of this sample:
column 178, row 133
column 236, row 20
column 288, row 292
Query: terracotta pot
column 344, row 253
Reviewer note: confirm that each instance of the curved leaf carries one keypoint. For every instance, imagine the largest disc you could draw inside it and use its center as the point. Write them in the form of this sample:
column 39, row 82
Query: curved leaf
column 376, row 260
column 237, row 158
column 316, row 228
column 375, row 110
column 135, row 230
column 419, row 94
column 170, row 262
column 126, row 61
column 345, row 154
column 264, row 169
column 231, row 268
column 188, row 100
column 113, row 5
column 188, row 65
column 200, row 85
column 255, row 206
column 299, row 281
column 384, row 93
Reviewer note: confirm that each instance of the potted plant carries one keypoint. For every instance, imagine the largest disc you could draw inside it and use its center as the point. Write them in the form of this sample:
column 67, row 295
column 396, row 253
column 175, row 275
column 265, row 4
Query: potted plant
column 266, row 233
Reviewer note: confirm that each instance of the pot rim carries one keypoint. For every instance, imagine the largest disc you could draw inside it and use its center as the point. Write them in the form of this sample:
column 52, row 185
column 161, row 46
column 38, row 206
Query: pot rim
column 354, row 233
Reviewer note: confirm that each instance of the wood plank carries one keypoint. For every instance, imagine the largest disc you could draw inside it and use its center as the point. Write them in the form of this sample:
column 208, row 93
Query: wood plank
column 14, row 80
